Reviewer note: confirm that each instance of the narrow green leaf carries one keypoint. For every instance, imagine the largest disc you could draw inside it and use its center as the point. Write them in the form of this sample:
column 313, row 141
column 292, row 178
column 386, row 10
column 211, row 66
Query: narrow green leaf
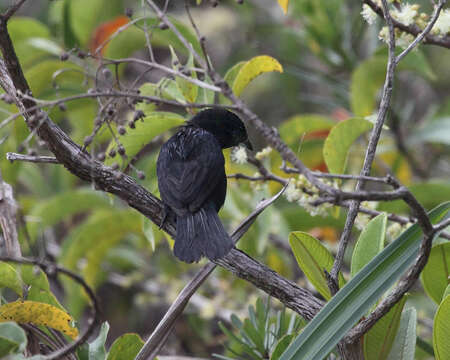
column 370, row 243
column 441, row 329
column 12, row 339
column 281, row 346
column 70, row 40
column 97, row 350
column 339, row 140
column 313, row 258
column 359, row 294
column 10, row 278
column 435, row 275
column 379, row 339
column 252, row 69
column 404, row 346
column 125, row 347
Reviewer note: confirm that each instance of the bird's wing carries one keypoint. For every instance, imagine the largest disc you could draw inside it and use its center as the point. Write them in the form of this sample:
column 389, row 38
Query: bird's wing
column 190, row 169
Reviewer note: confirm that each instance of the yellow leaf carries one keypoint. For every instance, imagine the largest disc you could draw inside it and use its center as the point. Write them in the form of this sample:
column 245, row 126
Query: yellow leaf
column 39, row 314
column 284, row 5
column 253, row 68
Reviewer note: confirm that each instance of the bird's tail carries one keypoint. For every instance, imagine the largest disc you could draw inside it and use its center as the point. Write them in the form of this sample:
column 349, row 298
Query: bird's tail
column 201, row 234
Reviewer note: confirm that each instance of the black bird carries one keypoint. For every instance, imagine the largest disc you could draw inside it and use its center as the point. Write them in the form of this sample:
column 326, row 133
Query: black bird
column 192, row 181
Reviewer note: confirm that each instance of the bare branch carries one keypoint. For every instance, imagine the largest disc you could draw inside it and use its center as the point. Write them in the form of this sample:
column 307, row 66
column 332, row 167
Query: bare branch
column 34, row 159
column 157, row 339
column 8, row 224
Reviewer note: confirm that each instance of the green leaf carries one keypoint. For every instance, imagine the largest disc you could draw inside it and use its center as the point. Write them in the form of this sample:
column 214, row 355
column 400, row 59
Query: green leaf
column 353, row 301
column 292, row 130
column 41, row 78
column 186, row 88
column 12, row 339
column 435, row 275
column 313, row 258
column 38, row 286
column 252, row 69
column 62, row 206
column 281, row 346
column 367, row 79
column 22, row 30
column 404, row 345
column 125, row 347
column 91, row 241
column 441, row 329
column 152, row 125
column 10, row 278
column 370, row 243
column 379, row 339
column 339, row 140
column 70, row 39
column 97, row 350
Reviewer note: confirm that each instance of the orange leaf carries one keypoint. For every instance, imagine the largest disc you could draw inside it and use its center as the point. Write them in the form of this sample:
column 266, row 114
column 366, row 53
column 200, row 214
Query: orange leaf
column 104, row 31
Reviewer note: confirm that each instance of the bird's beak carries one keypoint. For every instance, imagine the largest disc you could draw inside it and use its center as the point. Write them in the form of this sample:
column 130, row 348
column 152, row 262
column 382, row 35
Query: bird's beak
column 248, row 144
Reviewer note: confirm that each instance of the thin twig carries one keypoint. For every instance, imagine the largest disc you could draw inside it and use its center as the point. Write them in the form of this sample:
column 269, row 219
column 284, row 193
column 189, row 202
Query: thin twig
column 370, row 152
column 34, row 159
column 425, row 31
column 12, row 10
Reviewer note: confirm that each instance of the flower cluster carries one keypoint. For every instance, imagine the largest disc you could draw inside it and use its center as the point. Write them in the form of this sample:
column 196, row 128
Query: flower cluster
column 442, row 25
column 394, row 230
column 263, row 153
column 402, row 39
column 300, row 190
column 363, row 219
column 406, row 14
column 368, row 14
column 239, row 155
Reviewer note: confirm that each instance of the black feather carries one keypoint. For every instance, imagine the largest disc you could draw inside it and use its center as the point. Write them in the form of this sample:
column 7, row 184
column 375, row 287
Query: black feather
column 192, row 182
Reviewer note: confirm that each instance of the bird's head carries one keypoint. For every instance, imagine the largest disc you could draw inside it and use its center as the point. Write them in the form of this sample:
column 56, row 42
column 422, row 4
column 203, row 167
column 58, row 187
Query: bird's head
column 227, row 127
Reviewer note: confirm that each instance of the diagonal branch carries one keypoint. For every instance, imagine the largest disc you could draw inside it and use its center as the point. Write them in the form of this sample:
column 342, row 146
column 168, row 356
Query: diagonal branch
column 104, row 178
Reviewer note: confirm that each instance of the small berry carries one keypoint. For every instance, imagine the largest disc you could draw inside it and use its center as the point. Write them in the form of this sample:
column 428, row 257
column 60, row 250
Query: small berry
column 81, row 54
column 112, row 153
column 101, row 156
column 121, row 130
column 129, row 12
column 121, row 150
column 131, row 124
column 138, row 114
column 64, row 56
column 163, row 26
